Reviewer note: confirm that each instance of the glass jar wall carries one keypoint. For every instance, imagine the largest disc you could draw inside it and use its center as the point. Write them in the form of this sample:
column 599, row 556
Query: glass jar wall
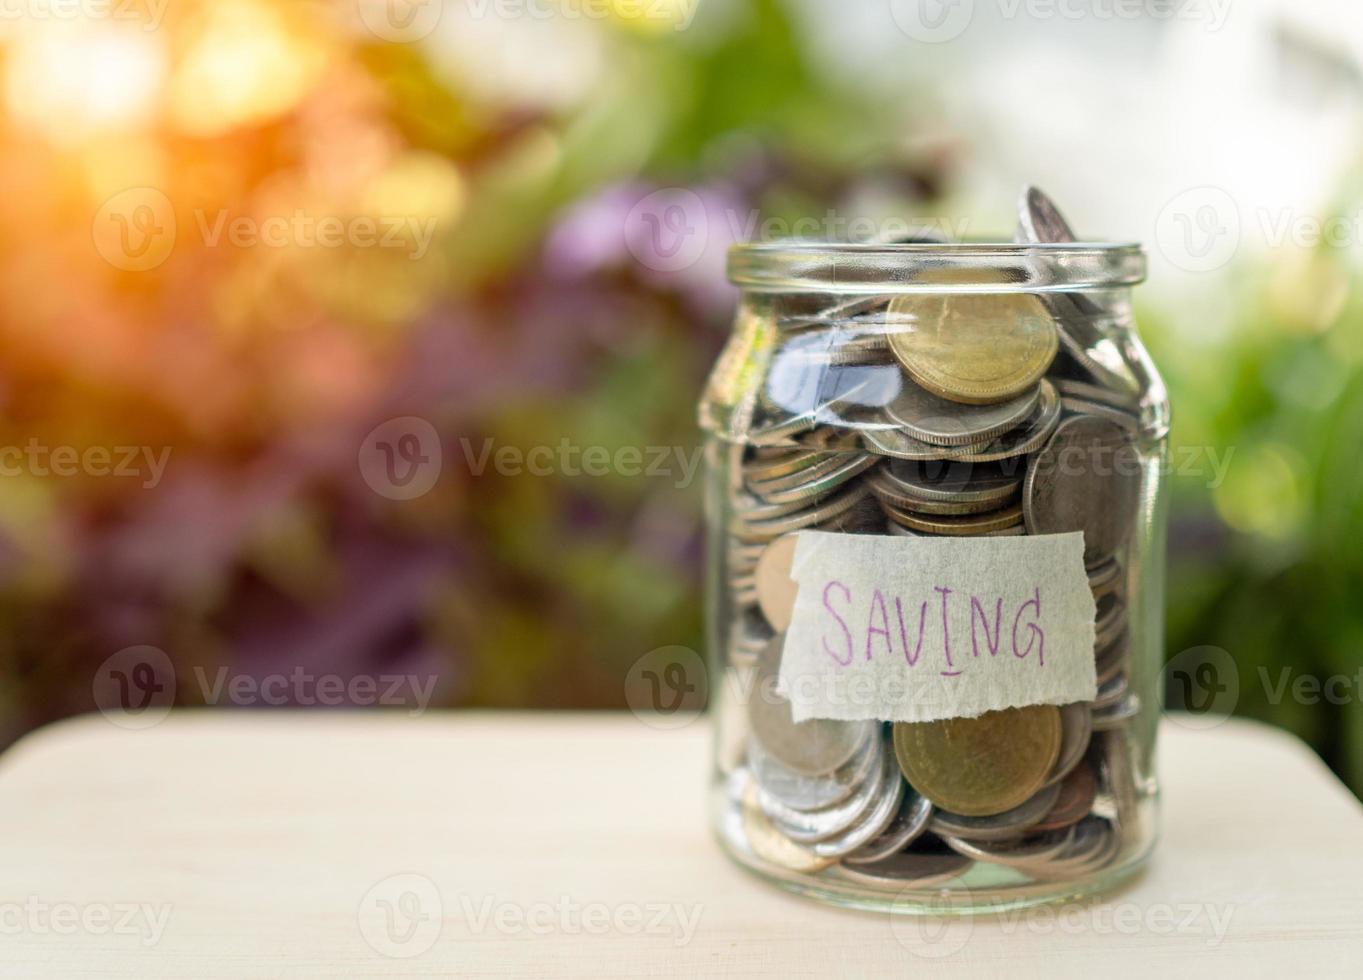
column 935, row 391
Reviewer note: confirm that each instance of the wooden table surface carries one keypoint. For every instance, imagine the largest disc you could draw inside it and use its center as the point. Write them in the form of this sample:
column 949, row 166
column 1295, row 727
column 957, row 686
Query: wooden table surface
column 359, row 845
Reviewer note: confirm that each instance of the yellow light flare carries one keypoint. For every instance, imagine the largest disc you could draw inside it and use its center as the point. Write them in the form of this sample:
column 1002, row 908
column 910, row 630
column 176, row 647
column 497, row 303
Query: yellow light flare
column 244, row 65
column 73, row 80
column 416, row 188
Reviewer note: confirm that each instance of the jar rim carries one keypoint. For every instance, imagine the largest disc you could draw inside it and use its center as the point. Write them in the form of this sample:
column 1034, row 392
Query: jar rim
column 864, row 267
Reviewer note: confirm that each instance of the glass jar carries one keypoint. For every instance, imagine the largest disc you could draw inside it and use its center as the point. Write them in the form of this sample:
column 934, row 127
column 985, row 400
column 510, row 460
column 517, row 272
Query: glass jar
column 933, row 406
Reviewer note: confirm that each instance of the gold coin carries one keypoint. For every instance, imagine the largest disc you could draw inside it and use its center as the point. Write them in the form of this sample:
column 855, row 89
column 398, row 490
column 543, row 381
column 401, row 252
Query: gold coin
column 977, row 767
column 976, row 348
column 775, row 588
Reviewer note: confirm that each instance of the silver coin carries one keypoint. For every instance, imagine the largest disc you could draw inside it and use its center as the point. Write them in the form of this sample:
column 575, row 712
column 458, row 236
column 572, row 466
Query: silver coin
column 801, row 792
column 932, row 419
column 770, row 463
column 814, row 747
column 864, row 517
column 1110, row 693
column 891, row 791
column 956, row 480
column 763, row 530
column 1028, row 437
column 1094, row 843
column 1086, row 479
column 1116, row 716
column 751, row 826
column 1040, row 222
column 749, row 509
column 810, row 826
column 894, row 442
column 888, row 491
column 1036, row 849
column 1076, row 731
column 1105, row 578
column 905, row 868
column 815, row 481
column 1000, row 826
column 1111, row 619
column 910, row 820
column 749, row 635
column 1112, row 658
column 1119, row 780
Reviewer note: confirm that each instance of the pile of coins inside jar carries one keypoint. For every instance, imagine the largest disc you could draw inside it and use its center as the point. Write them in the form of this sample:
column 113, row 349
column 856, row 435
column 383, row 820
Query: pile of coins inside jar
column 935, row 413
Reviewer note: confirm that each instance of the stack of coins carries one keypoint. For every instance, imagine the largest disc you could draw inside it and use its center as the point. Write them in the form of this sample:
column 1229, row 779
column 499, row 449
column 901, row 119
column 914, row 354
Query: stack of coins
column 957, row 414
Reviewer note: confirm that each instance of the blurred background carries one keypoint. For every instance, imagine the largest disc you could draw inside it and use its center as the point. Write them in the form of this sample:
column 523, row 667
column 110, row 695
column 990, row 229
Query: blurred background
column 349, row 350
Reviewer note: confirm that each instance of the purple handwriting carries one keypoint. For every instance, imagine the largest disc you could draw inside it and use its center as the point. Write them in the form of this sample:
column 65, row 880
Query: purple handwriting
column 894, row 629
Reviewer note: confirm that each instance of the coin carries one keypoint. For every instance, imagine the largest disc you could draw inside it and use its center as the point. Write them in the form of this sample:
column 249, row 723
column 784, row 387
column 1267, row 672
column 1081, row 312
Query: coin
column 1115, row 716
column 813, row 481
column 888, row 491
column 984, row 765
column 801, row 792
column 960, row 525
column 1026, row 438
column 898, row 444
column 889, row 792
column 1105, row 577
column 811, row 826
column 998, row 826
column 1038, row 848
column 1093, row 845
column 973, row 348
column 951, row 480
column 928, row 418
column 1076, row 724
column 909, row 822
column 748, row 529
column 905, row 868
column 1086, row 479
column 1112, row 658
column 775, row 588
column 1077, row 791
column 812, row 747
column 770, row 844
column 1039, row 220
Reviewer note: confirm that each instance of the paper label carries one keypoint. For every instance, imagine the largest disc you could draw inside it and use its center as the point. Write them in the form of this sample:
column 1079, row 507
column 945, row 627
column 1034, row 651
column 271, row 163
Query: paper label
column 894, row 628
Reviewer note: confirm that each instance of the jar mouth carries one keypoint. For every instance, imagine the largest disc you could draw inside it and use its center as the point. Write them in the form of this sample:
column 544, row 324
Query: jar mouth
column 966, row 267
